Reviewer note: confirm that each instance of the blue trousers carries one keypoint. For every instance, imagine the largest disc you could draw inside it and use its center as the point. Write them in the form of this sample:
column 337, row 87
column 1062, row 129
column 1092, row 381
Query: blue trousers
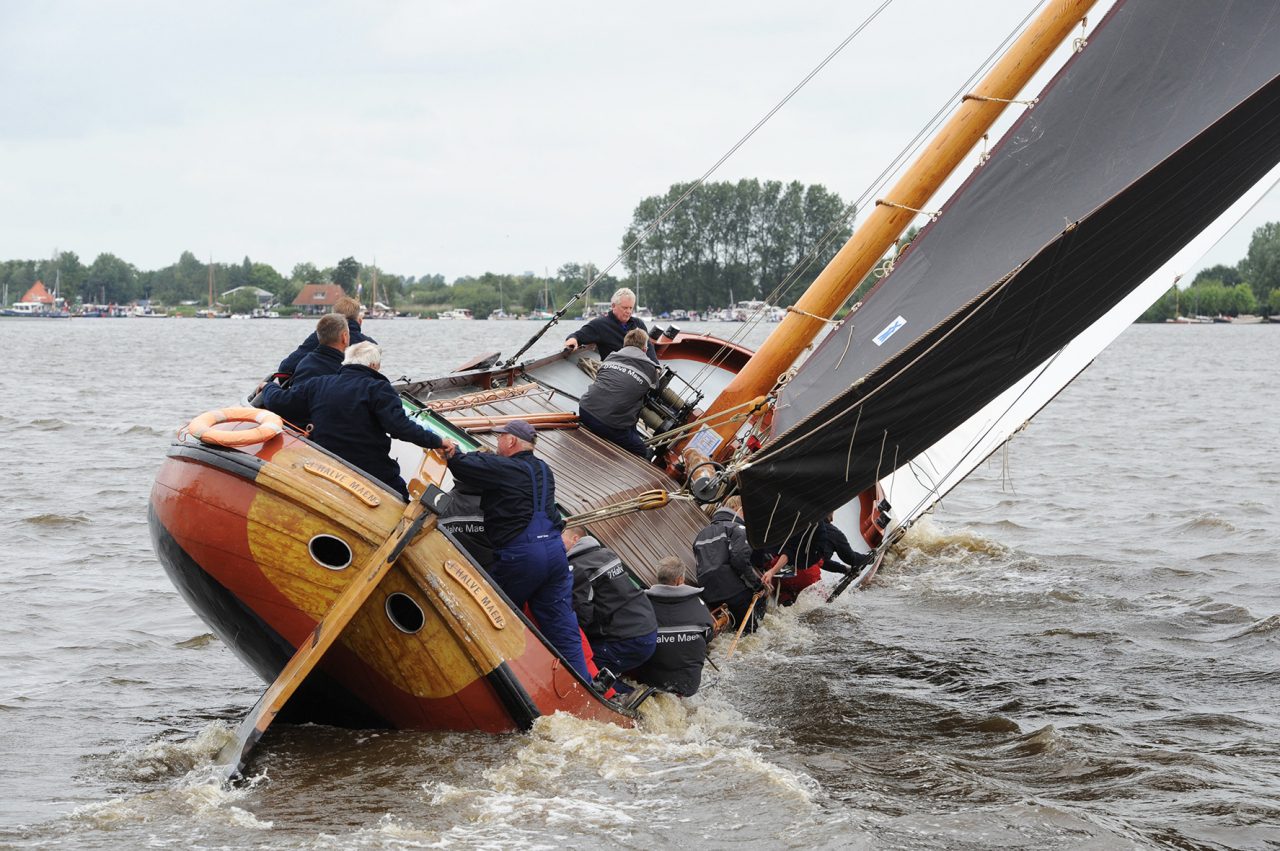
column 537, row 572
column 626, row 438
column 624, row 654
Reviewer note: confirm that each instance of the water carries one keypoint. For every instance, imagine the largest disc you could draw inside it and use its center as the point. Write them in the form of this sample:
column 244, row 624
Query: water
column 1081, row 648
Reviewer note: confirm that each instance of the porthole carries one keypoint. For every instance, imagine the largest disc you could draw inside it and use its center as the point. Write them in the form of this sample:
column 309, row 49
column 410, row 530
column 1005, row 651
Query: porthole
column 330, row 552
column 404, row 613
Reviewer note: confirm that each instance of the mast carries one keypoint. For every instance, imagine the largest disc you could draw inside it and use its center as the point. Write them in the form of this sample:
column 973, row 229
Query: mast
column 211, row 284
column 892, row 214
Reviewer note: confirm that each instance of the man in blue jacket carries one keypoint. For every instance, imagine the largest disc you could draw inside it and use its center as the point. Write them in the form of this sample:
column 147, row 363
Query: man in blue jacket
column 333, row 337
column 346, row 307
column 354, row 413
column 518, row 500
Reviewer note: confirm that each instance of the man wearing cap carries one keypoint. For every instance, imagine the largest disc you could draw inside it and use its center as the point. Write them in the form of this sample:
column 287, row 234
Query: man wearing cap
column 518, row 500
column 607, row 331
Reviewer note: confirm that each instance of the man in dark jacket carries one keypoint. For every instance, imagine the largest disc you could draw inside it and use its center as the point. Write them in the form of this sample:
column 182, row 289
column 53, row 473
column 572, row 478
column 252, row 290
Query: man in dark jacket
column 518, row 500
column 346, row 307
column 611, row 405
column 332, row 337
column 354, row 413
column 685, row 627
column 612, row 609
column 607, row 331
column 725, row 571
column 464, row 519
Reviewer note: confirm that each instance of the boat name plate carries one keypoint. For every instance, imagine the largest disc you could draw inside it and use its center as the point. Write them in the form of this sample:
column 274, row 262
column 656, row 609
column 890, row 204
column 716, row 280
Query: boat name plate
column 366, row 494
column 478, row 592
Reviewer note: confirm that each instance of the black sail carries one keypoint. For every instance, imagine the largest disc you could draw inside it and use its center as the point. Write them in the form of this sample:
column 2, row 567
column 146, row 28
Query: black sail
column 1169, row 114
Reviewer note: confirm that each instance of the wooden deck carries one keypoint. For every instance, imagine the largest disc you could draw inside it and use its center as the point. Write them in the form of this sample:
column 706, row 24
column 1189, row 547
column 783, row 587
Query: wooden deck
column 591, row 473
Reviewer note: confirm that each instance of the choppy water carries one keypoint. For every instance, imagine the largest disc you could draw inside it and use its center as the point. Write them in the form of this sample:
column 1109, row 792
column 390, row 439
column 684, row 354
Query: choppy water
column 1081, row 649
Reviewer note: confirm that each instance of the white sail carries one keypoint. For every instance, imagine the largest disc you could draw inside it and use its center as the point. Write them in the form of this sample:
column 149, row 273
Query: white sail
column 917, row 486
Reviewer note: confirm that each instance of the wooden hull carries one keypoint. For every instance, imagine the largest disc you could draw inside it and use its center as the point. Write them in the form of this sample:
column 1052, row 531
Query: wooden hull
column 234, row 530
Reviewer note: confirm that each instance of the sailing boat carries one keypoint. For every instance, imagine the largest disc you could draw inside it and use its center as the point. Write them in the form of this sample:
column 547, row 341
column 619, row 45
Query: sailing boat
column 1148, row 141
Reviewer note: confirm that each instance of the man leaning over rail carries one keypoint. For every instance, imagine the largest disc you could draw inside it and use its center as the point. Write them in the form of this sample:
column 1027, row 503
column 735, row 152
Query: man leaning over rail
column 354, row 414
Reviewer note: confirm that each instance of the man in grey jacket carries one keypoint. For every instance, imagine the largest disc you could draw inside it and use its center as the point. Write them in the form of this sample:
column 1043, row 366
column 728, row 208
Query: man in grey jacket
column 611, row 405
column 612, row 609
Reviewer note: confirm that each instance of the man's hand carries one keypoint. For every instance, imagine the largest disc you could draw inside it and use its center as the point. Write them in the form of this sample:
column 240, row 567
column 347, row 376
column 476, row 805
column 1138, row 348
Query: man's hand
column 571, row 344
column 448, row 448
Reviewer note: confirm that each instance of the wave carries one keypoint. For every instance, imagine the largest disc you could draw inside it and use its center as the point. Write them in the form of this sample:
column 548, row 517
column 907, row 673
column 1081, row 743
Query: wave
column 930, row 538
column 197, row 641
column 148, row 431
column 57, row 519
column 50, row 424
column 1265, row 626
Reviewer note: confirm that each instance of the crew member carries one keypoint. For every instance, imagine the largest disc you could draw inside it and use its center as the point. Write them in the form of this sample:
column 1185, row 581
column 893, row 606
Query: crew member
column 834, row 542
column 685, row 626
column 611, row 405
column 725, row 569
column 611, row 607
column 333, row 337
column 464, row 519
column 354, row 413
column 607, row 331
column 517, row 497
column 345, row 307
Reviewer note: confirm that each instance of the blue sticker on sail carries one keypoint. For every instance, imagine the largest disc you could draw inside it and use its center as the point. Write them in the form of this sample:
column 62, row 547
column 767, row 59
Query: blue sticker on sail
column 889, row 331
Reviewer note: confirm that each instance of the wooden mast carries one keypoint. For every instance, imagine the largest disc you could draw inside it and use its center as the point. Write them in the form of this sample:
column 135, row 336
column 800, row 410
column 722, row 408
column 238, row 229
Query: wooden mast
column 881, row 229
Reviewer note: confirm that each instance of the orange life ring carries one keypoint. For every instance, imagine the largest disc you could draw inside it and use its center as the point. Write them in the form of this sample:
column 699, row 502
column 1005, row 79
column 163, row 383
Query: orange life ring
column 202, row 427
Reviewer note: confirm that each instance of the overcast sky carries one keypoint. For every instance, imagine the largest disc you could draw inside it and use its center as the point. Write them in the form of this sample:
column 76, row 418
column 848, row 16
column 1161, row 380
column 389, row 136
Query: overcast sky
column 451, row 138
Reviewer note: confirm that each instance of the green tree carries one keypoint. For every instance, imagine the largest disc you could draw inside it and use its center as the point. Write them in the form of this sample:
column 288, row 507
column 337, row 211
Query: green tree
column 1261, row 266
column 306, row 273
column 242, row 301
column 1225, row 275
column 1164, row 307
column 1273, row 302
column 1240, row 299
column 346, row 273
column 733, row 241
column 112, row 280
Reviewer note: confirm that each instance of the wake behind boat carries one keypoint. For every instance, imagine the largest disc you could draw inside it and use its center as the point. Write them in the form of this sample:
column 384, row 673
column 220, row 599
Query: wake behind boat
column 1095, row 190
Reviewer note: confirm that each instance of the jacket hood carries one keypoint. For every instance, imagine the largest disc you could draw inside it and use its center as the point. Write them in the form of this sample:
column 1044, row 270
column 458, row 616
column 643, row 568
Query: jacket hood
column 586, row 543
column 672, row 592
column 723, row 514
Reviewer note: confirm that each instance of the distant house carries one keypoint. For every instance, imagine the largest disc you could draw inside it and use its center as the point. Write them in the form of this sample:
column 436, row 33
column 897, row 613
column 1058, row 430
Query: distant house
column 318, row 298
column 38, row 295
column 265, row 297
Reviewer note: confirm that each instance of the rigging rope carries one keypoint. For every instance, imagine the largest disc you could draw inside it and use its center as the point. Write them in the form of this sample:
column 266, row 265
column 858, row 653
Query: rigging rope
column 909, row 150
column 697, row 183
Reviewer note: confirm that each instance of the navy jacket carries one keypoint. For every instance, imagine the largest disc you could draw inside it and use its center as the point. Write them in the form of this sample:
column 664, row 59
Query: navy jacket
column 506, row 492
column 322, row 360
column 610, row 605
column 607, row 333
column 684, row 628
column 462, row 516
column 289, row 364
column 352, row 413
column 724, row 558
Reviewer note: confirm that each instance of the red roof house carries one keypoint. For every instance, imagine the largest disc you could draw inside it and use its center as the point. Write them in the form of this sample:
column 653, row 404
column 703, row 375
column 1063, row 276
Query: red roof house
column 38, row 293
column 318, row 298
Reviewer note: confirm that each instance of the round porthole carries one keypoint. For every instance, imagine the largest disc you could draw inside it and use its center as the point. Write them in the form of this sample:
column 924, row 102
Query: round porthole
column 404, row 613
column 330, row 552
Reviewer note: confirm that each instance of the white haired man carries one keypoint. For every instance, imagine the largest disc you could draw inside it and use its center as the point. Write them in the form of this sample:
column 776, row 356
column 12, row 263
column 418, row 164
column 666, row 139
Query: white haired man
column 607, row 331
column 354, row 413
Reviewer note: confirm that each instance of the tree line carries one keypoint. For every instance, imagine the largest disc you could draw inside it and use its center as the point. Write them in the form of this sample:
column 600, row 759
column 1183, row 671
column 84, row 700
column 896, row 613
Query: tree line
column 1251, row 286
column 726, row 242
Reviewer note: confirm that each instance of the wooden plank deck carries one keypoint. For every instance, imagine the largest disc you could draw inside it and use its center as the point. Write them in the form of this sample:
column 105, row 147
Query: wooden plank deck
column 591, row 473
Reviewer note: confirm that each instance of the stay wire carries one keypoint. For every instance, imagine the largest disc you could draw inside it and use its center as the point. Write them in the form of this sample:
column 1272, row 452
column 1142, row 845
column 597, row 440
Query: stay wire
column 701, row 180
column 789, row 282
